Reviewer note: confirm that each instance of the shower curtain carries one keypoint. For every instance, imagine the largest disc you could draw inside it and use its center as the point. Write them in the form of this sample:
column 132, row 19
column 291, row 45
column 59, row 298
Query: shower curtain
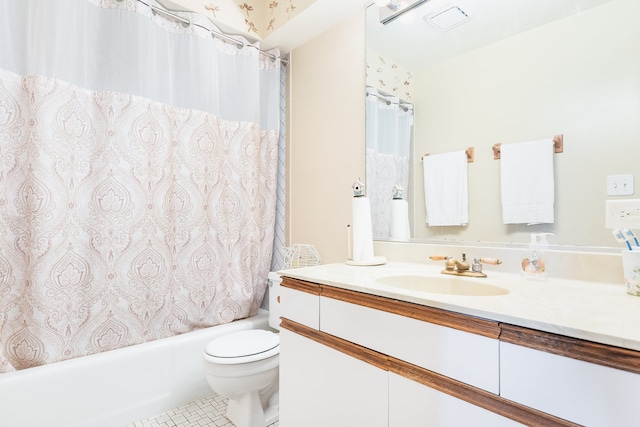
column 389, row 123
column 138, row 162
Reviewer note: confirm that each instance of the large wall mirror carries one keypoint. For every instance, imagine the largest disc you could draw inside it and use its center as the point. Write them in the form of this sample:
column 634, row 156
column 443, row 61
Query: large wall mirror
column 514, row 71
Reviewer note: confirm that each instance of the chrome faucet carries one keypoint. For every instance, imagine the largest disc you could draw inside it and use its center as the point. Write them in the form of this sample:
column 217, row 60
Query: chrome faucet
column 462, row 268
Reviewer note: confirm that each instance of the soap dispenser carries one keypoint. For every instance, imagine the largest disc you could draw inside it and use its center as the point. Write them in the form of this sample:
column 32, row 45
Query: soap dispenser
column 533, row 263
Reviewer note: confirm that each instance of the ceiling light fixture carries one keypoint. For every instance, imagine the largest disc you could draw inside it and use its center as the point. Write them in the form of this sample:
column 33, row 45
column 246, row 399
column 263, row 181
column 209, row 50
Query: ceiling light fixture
column 382, row 3
column 396, row 8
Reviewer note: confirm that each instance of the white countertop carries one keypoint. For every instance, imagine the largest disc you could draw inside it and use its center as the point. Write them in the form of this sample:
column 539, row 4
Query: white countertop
column 599, row 312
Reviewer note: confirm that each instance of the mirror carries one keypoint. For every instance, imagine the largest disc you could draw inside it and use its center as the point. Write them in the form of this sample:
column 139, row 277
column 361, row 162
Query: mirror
column 389, row 130
column 515, row 72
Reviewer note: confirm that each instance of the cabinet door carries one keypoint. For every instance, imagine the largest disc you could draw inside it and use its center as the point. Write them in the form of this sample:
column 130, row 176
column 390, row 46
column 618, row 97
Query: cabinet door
column 578, row 391
column 322, row 387
column 412, row 404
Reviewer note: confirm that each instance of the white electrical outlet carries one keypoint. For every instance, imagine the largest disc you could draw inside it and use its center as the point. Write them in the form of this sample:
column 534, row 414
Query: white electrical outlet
column 620, row 185
column 623, row 213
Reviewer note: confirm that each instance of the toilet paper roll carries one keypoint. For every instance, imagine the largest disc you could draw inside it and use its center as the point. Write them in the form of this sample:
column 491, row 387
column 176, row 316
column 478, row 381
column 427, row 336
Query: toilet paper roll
column 362, row 231
column 399, row 225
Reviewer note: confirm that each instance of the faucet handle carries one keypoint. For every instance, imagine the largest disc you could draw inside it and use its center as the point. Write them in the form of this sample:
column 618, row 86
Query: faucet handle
column 476, row 266
column 449, row 262
column 492, row 261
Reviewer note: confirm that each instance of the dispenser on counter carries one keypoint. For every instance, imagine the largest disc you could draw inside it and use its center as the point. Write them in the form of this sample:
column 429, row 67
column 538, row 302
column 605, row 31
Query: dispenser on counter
column 534, row 260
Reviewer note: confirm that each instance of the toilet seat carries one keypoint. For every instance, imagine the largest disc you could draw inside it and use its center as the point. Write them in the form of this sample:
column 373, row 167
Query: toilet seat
column 243, row 347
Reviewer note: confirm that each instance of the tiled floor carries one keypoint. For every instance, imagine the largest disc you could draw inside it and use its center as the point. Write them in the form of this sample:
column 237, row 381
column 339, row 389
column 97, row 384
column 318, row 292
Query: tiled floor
column 208, row 412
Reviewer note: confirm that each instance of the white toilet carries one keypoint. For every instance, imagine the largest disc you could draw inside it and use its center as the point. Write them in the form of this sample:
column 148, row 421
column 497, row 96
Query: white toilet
column 243, row 367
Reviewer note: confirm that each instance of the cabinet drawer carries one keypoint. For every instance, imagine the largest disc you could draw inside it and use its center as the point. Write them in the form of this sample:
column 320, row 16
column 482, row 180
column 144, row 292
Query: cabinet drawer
column 300, row 306
column 582, row 392
column 464, row 356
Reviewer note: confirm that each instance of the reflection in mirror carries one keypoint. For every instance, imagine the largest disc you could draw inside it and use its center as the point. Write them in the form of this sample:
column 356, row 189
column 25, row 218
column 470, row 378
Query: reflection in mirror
column 517, row 71
column 389, row 123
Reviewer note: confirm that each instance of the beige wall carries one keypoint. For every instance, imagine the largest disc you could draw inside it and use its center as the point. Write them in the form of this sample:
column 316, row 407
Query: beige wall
column 579, row 77
column 326, row 136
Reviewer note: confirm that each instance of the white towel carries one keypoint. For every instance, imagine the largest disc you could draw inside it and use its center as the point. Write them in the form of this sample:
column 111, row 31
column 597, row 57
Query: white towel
column 526, row 182
column 446, row 191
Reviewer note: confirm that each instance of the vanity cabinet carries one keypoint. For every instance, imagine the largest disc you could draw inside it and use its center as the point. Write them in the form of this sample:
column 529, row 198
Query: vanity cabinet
column 375, row 361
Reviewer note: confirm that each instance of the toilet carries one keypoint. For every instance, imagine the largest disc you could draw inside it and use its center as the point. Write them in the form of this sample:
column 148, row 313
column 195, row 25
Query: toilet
column 243, row 367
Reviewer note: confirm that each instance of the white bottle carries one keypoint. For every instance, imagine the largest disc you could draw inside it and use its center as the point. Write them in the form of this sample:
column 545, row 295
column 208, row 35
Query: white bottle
column 533, row 262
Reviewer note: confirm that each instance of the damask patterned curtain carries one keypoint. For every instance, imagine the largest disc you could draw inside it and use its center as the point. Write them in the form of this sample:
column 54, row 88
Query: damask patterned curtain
column 389, row 124
column 137, row 178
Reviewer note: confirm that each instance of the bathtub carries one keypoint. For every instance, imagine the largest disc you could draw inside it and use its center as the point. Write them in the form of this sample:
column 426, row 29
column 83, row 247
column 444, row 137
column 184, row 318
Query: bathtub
column 115, row 388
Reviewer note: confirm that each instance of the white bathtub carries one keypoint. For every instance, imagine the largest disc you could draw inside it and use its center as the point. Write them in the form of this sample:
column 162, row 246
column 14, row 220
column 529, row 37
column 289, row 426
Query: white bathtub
column 115, row 388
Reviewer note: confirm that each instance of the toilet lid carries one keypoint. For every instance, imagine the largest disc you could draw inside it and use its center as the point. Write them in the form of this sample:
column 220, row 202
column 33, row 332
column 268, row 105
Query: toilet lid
column 243, row 343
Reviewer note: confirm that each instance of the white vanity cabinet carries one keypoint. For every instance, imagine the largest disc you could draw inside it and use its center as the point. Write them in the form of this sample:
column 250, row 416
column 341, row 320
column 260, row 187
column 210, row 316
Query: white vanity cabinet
column 375, row 361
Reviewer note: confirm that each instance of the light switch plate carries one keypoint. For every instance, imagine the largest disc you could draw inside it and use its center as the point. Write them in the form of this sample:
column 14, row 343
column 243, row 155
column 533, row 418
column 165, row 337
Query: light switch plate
column 620, row 185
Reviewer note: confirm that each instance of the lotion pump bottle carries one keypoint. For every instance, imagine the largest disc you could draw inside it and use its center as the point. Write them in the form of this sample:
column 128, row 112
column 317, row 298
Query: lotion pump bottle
column 533, row 262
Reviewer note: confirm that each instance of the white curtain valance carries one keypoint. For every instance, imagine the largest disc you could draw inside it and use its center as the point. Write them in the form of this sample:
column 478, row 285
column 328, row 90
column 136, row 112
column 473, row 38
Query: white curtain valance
column 123, row 51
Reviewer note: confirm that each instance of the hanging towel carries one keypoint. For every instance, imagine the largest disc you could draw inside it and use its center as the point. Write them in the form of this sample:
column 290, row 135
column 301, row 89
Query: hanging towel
column 446, row 192
column 526, row 182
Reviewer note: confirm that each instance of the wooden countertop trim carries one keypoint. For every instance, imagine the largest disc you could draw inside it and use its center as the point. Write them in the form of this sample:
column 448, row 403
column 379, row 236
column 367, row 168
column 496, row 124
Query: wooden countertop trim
column 301, row 285
column 436, row 316
column 460, row 390
column 587, row 351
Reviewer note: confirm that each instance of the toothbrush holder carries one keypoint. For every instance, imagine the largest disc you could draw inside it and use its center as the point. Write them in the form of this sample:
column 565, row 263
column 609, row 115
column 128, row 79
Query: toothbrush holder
column 631, row 270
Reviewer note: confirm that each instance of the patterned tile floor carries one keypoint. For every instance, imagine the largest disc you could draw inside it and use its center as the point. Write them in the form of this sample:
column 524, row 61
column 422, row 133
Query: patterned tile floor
column 208, row 412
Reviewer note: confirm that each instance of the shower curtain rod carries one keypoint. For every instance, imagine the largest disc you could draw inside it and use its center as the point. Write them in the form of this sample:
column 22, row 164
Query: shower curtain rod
column 406, row 106
column 185, row 22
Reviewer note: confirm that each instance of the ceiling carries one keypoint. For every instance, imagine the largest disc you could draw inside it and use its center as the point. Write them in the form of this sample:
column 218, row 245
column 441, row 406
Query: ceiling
column 312, row 21
column 418, row 44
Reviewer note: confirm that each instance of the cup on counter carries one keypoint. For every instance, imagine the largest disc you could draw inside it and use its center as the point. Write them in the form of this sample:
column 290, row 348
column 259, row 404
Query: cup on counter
column 631, row 270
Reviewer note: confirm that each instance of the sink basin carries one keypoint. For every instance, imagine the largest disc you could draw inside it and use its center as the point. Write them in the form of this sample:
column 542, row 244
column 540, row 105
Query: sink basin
column 443, row 285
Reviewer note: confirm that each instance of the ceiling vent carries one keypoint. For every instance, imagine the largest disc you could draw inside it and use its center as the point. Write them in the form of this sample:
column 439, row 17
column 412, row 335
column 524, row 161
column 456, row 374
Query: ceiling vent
column 448, row 18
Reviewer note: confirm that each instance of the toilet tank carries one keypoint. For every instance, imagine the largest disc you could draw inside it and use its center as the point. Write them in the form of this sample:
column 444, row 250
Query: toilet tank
column 274, row 300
